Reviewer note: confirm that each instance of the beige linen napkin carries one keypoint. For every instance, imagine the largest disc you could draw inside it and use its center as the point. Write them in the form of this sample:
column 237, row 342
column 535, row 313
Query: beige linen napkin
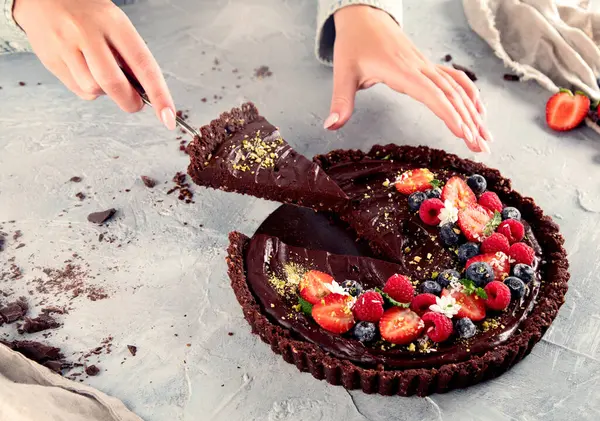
column 551, row 41
column 31, row 392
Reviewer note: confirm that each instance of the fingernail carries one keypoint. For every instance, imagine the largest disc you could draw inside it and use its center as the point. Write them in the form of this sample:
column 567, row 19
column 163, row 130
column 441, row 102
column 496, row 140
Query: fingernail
column 486, row 134
column 331, row 120
column 481, row 108
column 483, row 145
column 168, row 118
column 467, row 133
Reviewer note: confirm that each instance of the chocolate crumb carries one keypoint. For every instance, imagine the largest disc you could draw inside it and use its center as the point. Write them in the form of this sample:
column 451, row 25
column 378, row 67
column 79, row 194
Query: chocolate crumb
column 262, row 72
column 21, row 245
column 76, row 179
column 40, row 323
column 80, row 196
column 21, row 83
column 467, row 71
column 148, row 182
column 18, row 234
column 230, row 333
column 511, row 78
column 447, row 58
column 100, row 237
column 53, row 309
column 101, row 217
column 2, row 241
column 92, row 370
column 203, row 100
column 132, row 349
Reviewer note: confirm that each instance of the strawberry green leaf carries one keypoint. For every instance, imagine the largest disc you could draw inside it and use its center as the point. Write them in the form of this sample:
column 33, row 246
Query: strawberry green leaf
column 565, row 91
column 580, row 93
column 491, row 226
column 389, row 300
column 481, row 293
column 469, row 286
column 305, row 306
column 435, row 184
column 594, row 105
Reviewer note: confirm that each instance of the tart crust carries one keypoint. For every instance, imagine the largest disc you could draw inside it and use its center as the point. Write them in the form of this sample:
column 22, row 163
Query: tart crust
column 311, row 358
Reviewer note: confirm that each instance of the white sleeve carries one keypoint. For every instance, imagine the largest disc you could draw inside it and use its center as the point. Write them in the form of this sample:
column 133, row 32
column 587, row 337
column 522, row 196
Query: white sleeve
column 12, row 38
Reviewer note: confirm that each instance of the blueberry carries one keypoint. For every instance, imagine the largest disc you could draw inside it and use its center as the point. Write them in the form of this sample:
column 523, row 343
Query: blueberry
column 434, row 193
column 447, row 276
column 477, row 183
column 481, row 273
column 511, row 213
column 415, row 200
column 449, row 235
column 465, row 328
column 524, row 272
column 516, row 286
column 365, row 331
column 431, row 287
column 466, row 251
column 353, row 287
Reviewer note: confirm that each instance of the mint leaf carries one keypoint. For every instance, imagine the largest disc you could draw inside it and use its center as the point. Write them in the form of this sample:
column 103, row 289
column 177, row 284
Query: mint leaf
column 388, row 156
column 493, row 223
column 435, row 184
column 391, row 301
column 481, row 293
column 469, row 286
column 305, row 306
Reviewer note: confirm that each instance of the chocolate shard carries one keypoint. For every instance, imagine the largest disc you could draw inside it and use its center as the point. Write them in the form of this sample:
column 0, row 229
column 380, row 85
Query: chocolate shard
column 101, row 217
column 14, row 311
column 511, row 78
column 75, row 179
column 92, row 370
column 132, row 349
column 242, row 152
column 35, row 351
column 470, row 73
column 148, row 181
column 38, row 324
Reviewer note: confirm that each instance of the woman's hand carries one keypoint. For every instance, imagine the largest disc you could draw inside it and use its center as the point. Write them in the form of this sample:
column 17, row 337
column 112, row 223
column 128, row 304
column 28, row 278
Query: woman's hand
column 371, row 48
column 84, row 43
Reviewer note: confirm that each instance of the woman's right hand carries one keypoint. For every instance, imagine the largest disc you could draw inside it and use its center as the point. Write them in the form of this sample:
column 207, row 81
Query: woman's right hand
column 83, row 43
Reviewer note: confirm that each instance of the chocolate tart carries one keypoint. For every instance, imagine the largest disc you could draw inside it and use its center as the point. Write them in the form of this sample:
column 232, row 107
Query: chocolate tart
column 294, row 235
column 242, row 152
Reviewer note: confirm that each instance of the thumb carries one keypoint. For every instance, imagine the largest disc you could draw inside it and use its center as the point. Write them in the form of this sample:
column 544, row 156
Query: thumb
column 345, row 84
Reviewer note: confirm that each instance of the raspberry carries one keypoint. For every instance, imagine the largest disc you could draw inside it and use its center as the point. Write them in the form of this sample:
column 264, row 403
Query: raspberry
column 521, row 253
column 368, row 307
column 430, row 211
column 491, row 201
column 498, row 295
column 437, row 326
column 420, row 304
column 399, row 288
column 512, row 229
column 495, row 242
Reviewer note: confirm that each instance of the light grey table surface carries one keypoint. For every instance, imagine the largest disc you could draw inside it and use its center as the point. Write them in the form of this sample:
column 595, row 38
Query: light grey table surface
column 167, row 281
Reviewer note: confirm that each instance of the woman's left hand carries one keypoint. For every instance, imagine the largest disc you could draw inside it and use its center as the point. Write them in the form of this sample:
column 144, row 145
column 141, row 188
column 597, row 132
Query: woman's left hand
column 370, row 48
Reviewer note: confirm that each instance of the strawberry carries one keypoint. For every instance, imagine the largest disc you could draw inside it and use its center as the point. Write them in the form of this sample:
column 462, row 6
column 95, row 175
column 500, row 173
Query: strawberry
column 491, row 201
column 565, row 111
column 368, row 307
column 400, row 326
column 498, row 261
column 458, row 192
column 471, row 306
column 437, row 326
column 420, row 304
column 472, row 221
column 399, row 288
column 495, row 242
column 521, row 253
column 313, row 286
column 512, row 229
column 430, row 211
column 498, row 296
column 414, row 180
column 333, row 313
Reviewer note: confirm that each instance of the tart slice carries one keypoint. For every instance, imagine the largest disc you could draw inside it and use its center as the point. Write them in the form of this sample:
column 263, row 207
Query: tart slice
column 242, row 152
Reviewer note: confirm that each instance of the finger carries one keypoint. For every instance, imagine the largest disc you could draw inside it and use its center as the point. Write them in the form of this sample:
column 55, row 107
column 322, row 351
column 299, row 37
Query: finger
column 421, row 88
column 480, row 129
column 138, row 58
column 81, row 74
column 345, row 84
column 62, row 72
column 110, row 77
column 467, row 84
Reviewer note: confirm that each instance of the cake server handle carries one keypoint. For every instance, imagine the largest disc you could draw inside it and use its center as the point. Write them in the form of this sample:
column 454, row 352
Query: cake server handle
column 140, row 90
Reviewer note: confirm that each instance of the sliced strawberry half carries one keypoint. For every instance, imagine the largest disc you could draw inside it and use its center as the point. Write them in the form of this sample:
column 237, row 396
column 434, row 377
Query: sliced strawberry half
column 458, row 192
column 565, row 111
column 472, row 221
column 471, row 306
column 400, row 326
column 499, row 262
column 313, row 286
column 333, row 313
column 414, row 180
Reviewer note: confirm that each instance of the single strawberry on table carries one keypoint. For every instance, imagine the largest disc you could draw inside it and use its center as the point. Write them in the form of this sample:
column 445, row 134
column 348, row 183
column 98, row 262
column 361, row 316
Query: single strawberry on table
column 333, row 313
column 458, row 192
column 313, row 286
column 472, row 221
column 471, row 306
column 414, row 180
column 498, row 261
column 565, row 110
column 400, row 326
